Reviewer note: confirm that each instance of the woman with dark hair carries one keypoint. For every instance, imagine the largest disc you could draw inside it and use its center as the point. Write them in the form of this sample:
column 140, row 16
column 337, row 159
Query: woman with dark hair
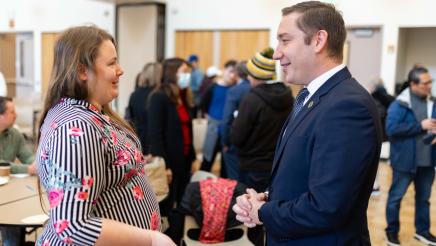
column 89, row 159
column 147, row 80
column 170, row 127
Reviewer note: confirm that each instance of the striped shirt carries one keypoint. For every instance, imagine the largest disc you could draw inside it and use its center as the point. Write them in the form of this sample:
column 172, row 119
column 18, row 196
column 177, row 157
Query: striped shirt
column 91, row 168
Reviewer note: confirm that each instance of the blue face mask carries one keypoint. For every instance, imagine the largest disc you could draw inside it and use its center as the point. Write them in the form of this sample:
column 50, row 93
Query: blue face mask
column 184, row 80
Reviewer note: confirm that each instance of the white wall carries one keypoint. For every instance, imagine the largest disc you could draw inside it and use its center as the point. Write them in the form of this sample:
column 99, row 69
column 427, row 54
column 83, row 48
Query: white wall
column 39, row 16
column 390, row 15
column 137, row 31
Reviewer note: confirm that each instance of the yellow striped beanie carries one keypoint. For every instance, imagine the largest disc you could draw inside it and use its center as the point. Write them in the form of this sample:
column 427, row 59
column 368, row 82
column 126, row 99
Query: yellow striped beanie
column 262, row 66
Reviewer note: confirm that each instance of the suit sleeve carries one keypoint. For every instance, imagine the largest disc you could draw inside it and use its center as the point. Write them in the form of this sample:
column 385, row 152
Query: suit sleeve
column 243, row 124
column 397, row 126
column 339, row 169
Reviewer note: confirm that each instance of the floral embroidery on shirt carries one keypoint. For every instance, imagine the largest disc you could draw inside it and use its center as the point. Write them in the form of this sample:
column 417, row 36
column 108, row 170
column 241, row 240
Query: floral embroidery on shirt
column 93, row 108
column 46, row 243
column 138, row 155
column 67, row 240
column 75, row 133
column 97, row 121
column 54, row 125
column 81, row 196
column 44, row 155
column 114, row 137
column 138, row 194
column 61, row 225
column 123, row 157
column 154, row 221
column 55, row 197
column 87, row 182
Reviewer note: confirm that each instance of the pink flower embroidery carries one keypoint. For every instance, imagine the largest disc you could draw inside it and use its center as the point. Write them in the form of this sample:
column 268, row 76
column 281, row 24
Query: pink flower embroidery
column 138, row 155
column 81, row 196
column 132, row 172
column 75, row 132
column 46, row 243
column 104, row 140
column 54, row 125
column 97, row 121
column 61, row 225
column 137, row 193
column 44, row 155
column 67, row 240
column 123, row 157
column 55, row 197
column 114, row 137
column 93, row 108
column 87, row 182
column 154, row 221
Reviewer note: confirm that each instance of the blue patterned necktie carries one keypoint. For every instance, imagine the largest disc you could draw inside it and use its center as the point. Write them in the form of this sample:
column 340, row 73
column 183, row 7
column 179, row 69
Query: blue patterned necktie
column 300, row 101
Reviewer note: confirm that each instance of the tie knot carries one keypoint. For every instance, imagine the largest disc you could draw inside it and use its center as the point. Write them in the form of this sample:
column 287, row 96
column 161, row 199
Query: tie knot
column 302, row 95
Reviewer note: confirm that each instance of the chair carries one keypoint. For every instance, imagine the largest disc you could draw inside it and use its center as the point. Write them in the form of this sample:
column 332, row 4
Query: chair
column 191, row 224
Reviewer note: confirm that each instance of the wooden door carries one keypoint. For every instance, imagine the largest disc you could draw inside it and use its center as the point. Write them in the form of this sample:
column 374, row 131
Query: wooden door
column 7, row 61
column 242, row 45
column 195, row 42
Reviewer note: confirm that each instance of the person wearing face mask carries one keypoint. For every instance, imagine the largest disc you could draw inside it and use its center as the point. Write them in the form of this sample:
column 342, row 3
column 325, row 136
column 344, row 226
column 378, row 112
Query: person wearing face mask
column 213, row 104
column 170, row 127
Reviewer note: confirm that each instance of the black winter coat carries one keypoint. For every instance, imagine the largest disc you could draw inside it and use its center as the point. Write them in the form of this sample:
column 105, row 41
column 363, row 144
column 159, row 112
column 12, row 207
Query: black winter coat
column 261, row 115
column 165, row 132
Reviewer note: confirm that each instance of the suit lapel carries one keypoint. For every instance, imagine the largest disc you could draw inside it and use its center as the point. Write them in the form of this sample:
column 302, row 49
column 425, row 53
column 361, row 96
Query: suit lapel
column 314, row 101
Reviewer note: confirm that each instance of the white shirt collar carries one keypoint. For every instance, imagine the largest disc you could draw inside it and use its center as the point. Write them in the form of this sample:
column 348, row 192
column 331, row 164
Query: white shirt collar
column 315, row 84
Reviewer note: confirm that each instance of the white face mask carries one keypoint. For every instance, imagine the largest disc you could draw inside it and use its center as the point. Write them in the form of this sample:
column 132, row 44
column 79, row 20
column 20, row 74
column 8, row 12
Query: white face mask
column 184, row 80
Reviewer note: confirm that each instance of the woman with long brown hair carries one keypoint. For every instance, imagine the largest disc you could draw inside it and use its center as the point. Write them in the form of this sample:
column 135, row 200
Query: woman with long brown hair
column 89, row 160
column 170, row 126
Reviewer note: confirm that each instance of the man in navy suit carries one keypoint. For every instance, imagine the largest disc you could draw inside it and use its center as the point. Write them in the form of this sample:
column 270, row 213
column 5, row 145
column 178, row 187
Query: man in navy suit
column 328, row 151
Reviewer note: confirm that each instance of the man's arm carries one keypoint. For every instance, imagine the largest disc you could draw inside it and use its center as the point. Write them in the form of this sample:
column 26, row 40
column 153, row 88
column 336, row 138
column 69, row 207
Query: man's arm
column 24, row 154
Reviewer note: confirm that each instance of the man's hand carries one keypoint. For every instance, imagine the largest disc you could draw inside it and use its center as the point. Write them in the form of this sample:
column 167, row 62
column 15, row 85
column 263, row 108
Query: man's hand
column 246, row 207
column 32, row 169
column 256, row 200
column 428, row 124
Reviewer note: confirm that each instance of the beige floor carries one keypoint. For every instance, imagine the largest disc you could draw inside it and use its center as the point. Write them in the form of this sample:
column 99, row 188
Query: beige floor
column 376, row 211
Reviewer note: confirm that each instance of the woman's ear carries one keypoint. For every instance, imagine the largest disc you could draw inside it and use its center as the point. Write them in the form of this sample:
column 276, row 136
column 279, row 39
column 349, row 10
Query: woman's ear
column 83, row 73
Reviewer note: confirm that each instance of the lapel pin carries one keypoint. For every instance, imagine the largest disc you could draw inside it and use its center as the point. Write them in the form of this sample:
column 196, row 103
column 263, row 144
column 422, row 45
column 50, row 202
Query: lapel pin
column 310, row 104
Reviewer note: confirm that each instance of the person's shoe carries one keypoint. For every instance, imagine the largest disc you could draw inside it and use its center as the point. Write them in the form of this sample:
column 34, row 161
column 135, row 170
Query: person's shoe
column 392, row 239
column 426, row 238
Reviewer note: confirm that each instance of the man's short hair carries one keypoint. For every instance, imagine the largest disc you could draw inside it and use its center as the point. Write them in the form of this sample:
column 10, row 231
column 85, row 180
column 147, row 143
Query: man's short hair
column 317, row 16
column 230, row 63
column 3, row 101
column 414, row 74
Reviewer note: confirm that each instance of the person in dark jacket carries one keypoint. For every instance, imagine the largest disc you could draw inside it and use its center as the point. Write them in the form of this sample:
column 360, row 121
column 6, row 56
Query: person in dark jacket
column 170, row 127
column 410, row 126
column 234, row 97
column 255, row 130
column 147, row 80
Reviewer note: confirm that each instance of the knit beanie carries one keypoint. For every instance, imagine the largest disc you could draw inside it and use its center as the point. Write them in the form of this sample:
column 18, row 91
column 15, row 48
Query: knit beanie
column 262, row 66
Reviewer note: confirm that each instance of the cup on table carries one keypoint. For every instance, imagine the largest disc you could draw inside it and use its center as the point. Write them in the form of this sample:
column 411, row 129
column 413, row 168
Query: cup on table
column 5, row 169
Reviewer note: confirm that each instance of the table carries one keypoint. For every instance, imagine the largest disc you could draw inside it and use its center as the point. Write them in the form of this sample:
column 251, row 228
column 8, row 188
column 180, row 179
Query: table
column 17, row 189
column 12, row 214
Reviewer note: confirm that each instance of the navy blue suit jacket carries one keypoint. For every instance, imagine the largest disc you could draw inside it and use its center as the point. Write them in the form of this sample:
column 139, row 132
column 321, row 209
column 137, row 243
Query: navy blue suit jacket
column 324, row 169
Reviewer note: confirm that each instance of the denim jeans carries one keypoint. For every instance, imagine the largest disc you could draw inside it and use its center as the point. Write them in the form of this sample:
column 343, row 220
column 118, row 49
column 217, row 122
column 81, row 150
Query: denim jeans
column 423, row 180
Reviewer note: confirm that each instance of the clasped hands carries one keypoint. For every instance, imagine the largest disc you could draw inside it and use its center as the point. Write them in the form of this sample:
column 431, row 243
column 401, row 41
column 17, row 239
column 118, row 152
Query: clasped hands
column 247, row 207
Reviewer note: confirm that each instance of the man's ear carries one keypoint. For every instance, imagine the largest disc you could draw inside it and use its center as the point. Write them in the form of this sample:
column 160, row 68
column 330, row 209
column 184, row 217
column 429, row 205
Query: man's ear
column 320, row 40
column 83, row 73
